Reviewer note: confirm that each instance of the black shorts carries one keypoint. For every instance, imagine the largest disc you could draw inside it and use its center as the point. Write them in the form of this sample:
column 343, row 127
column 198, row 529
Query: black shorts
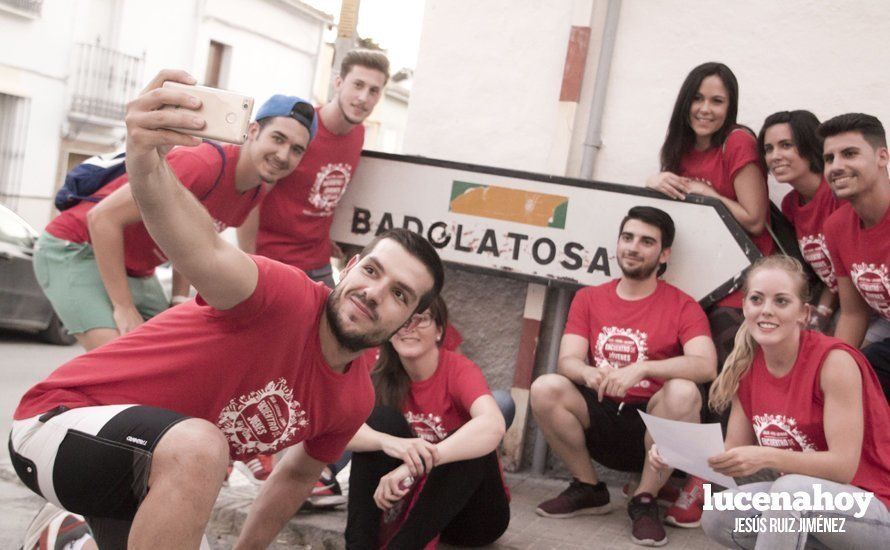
column 615, row 439
column 93, row 461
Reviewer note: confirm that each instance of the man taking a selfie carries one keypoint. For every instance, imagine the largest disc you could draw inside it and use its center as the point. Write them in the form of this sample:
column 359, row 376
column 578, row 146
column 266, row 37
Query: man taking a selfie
column 136, row 436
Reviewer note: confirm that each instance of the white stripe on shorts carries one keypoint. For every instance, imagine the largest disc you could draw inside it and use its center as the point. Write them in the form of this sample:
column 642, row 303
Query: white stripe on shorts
column 39, row 441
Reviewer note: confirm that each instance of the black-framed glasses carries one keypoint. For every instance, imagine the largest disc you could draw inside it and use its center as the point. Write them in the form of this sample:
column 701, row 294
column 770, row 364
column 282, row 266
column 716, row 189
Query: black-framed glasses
column 418, row 320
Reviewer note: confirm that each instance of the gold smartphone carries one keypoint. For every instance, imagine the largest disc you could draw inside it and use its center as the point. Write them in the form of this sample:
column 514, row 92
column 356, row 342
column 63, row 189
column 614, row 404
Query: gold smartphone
column 227, row 113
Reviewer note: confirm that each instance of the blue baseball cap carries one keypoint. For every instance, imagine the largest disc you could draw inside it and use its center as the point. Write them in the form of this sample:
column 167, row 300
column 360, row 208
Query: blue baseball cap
column 292, row 107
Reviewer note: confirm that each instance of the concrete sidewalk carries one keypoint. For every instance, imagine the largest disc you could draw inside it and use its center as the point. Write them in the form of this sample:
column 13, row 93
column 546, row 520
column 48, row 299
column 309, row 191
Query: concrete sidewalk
column 527, row 530
column 324, row 530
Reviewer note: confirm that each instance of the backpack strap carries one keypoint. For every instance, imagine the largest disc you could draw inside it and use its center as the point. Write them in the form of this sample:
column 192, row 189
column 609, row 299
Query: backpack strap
column 222, row 169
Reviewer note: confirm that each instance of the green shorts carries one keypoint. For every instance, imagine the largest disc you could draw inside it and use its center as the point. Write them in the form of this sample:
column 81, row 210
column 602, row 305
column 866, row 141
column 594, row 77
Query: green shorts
column 69, row 276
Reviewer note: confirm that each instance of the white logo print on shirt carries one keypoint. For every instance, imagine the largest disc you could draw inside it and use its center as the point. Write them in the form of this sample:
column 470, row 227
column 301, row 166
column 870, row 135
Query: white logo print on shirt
column 873, row 284
column 427, row 426
column 330, row 184
column 262, row 421
column 815, row 252
column 780, row 431
column 619, row 347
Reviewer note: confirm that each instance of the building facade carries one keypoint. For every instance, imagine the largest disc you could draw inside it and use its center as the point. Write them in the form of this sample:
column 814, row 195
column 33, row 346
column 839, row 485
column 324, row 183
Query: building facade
column 68, row 67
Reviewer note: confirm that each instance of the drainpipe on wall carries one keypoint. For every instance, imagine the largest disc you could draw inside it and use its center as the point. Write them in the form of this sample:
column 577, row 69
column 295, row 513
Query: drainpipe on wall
column 592, row 144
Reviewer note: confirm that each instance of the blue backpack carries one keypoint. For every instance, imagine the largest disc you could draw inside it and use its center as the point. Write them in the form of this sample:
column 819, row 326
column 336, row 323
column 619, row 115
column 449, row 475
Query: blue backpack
column 94, row 173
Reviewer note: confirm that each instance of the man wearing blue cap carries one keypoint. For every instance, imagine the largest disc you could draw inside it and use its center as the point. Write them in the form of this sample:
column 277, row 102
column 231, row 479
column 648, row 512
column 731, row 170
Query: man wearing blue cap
column 96, row 261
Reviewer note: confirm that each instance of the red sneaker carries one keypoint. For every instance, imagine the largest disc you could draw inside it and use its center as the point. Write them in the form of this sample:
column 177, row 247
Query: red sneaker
column 686, row 511
column 55, row 528
column 325, row 495
column 257, row 469
column 667, row 495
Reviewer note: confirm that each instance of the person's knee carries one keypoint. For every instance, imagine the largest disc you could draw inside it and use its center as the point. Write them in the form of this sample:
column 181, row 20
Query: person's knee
column 547, row 391
column 713, row 523
column 193, row 445
column 792, row 483
column 681, row 396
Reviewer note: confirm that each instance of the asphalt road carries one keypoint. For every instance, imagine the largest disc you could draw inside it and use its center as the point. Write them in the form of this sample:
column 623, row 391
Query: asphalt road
column 24, row 361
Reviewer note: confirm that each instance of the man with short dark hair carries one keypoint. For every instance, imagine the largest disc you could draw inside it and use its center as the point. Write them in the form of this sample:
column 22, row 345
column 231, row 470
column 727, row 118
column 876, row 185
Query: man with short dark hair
column 635, row 343
column 136, row 436
column 858, row 233
column 293, row 226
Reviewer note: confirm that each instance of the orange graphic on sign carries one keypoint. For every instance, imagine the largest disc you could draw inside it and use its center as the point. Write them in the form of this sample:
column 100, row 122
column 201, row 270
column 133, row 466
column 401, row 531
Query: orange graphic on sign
column 514, row 205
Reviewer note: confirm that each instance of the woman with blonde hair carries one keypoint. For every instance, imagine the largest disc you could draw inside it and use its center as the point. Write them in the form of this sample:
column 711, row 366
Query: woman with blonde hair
column 805, row 405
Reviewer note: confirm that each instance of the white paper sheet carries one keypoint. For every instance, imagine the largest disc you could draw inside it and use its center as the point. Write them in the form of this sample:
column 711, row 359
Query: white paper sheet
column 687, row 446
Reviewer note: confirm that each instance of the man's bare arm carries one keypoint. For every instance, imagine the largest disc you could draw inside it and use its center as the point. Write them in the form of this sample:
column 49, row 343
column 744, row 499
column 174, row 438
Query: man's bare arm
column 852, row 322
column 280, row 497
column 572, row 362
column 179, row 224
column 698, row 363
column 247, row 231
column 106, row 222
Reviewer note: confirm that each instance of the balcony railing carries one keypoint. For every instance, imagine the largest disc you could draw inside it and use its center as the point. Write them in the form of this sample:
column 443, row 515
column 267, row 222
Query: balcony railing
column 103, row 81
column 25, row 7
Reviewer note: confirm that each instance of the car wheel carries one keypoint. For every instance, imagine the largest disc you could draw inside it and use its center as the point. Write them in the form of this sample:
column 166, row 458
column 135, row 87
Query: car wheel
column 56, row 333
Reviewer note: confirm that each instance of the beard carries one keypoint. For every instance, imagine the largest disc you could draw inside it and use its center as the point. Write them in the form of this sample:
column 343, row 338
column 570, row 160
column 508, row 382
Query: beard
column 346, row 117
column 351, row 341
column 639, row 273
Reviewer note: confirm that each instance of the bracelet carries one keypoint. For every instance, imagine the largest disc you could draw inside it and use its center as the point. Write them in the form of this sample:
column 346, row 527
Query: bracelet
column 176, row 300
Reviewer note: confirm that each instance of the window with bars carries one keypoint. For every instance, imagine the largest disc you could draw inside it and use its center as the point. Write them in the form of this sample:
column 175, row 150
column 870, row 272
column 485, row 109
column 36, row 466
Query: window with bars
column 14, row 112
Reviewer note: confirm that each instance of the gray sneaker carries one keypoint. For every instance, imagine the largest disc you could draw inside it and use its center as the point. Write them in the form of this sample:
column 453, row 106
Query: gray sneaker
column 578, row 499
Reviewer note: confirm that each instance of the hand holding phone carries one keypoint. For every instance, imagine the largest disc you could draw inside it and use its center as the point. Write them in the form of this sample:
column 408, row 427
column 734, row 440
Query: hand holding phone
column 227, row 114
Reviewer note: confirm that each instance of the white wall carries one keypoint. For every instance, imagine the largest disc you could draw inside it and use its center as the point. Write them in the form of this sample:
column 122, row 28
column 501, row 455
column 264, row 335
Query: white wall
column 34, row 57
column 488, row 76
column 274, row 49
column 385, row 128
column 828, row 57
column 487, row 81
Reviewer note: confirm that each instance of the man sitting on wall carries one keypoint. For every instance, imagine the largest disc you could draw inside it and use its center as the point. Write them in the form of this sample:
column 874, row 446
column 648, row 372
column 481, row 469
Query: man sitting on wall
column 635, row 343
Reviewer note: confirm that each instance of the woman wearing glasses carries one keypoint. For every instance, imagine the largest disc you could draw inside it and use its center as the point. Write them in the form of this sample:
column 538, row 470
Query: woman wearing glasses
column 425, row 465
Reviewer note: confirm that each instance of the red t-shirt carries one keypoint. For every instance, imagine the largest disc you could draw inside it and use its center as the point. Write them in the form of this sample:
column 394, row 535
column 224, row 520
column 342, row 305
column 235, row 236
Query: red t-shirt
column 439, row 405
column 198, row 169
column 621, row 332
column 787, row 412
column 719, row 166
column 863, row 255
column 296, row 218
column 255, row 370
column 808, row 220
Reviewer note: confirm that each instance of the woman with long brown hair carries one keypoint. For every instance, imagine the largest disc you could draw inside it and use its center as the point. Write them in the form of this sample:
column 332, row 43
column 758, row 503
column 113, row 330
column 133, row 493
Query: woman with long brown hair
column 707, row 152
column 791, row 389
column 425, row 464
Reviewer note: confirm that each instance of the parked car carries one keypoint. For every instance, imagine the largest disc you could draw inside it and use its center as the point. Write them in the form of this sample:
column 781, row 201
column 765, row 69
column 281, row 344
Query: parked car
column 23, row 306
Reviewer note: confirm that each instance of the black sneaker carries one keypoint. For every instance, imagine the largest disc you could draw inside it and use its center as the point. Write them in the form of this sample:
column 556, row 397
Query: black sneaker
column 646, row 527
column 580, row 498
